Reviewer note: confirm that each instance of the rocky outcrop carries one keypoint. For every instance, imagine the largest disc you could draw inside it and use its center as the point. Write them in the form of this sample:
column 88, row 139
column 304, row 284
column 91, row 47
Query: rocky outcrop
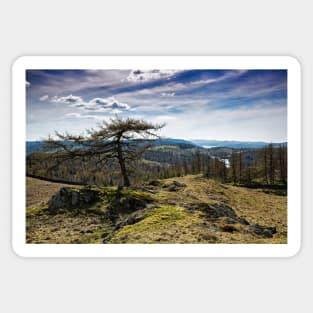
column 262, row 231
column 70, row 198
column 229, row 217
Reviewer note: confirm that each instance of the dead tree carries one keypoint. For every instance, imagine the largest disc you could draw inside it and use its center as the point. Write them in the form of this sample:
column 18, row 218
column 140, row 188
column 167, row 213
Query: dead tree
column 122, row 140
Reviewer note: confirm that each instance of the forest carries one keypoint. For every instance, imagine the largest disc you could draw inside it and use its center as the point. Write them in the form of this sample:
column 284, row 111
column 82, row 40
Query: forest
column 249, row 167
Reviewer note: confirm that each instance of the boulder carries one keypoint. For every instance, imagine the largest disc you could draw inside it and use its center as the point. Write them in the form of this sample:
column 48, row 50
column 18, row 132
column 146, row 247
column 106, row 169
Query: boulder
column 262, row 231
column 131, row 219
column 155, row 183
column 175, row 186
column 218, row 211
column 70, row 198
column 178, row 184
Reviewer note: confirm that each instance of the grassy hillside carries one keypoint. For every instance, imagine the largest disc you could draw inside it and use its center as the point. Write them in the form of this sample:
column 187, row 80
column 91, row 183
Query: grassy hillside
column 187, row 209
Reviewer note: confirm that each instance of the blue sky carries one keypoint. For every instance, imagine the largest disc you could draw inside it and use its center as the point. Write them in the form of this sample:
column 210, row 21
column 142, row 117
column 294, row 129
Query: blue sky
column 247, row 105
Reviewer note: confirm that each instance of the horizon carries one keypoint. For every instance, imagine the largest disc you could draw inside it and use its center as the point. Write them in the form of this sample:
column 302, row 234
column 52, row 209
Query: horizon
column 238, row 104
column 201, row 139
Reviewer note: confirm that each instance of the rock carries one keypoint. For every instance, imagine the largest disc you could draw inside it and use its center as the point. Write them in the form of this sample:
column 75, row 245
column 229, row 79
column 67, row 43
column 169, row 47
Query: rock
column 155, row 183
column 149, row 190
column 131, row 219
column 229, row 220
column 213, row 197
column 175, row 186
column 172, row 202
column 265, row 232
column 178, row 184
column 228, row 216
column 229, row 228
column 217, row 211
column 243, row 221
column 69, row 198
column 122, row 204
column 129, row 204
column 106, row 234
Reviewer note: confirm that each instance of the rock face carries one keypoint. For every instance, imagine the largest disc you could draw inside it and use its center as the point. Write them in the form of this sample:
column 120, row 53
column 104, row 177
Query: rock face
column 69, row 198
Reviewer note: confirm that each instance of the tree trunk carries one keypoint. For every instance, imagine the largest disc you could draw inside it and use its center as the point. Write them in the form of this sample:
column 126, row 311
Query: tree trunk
column 265, row 166
column 240, row 167
column 121, row 161
column 272, row 165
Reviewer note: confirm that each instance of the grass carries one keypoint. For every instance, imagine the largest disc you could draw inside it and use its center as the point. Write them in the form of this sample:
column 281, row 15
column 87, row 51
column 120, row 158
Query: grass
column 39, row 192
column 166, row 224
column 167, row 221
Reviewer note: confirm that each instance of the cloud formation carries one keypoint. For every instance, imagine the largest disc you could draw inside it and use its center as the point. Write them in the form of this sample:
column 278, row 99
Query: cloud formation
column 75, row 115
column 44, row 98
column 167, row 94
column 27, row 84
column 206, row 104
column 70, row 99
column 147, row 75
column 105, row 104
column 95, row 105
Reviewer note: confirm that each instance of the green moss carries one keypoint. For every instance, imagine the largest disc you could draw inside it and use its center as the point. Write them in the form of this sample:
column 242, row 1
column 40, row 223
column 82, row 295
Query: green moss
column 36, row 210
column 168, row 220
column 161, row 224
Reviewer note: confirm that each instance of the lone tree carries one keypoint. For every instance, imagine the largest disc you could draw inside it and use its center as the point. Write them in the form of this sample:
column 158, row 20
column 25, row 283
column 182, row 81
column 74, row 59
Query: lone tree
column 123, row 140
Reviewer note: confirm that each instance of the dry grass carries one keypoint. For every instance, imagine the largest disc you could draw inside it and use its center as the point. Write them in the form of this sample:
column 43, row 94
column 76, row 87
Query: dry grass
column 39, row 192
column 169, row 221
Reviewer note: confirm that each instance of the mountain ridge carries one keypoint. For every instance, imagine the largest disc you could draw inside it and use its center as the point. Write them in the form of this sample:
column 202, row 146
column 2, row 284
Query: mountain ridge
column 36, row 146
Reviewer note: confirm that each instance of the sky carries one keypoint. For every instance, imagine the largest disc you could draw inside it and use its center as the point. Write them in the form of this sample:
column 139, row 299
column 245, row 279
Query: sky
column 245, row 105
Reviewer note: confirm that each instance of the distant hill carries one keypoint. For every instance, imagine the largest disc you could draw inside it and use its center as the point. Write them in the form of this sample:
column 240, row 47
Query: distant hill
column 183, row 144
column 33, row 146
column 234, row 144
column 36, row 146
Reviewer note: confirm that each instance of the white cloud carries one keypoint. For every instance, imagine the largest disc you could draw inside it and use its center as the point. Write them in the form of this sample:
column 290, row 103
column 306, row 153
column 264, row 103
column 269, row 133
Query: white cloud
column 92, row 109
column 73, row 115
column 110, row 104
column 70, row 82
column 168, row 94
column 172, row 88
column 105, row 104
column 27, row 84
column 44, row 98
column 67, row 100
column 243, row 123
column 147, row 75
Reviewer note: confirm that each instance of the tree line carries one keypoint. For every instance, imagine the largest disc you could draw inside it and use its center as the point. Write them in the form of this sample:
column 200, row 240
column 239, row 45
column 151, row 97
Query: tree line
column 121, row 152
column 267, row 166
